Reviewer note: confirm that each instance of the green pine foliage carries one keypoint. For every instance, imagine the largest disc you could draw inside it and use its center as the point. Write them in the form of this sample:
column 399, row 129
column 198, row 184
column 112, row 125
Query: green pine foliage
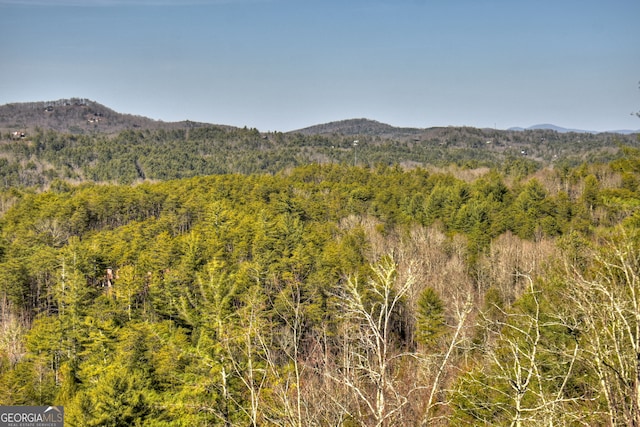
column 430, row 320
column 217, row 298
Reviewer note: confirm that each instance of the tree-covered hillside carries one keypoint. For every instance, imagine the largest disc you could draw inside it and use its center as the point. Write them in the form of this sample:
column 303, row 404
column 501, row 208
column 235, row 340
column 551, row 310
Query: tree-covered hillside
column 188, row 274
column 42, row 156
column 78, row 116
column 322, row 294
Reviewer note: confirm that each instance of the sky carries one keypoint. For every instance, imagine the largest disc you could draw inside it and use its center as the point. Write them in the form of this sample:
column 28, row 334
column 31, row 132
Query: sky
column 281, row 65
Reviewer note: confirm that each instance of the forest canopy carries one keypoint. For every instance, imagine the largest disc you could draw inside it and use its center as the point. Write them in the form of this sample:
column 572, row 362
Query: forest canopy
column 40, row 156
column 319, row 293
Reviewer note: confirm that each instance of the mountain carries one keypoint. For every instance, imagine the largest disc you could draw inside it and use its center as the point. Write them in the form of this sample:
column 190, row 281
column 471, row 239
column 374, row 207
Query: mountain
column 84, row 116
column 559, row 129
column 366, row 127
column 354, row 127
column 77, row 116
column 547, row 126
column 81, row 140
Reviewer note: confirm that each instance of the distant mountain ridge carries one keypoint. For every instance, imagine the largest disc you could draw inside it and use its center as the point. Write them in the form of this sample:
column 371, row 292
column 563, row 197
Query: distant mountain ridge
column 84, row 116
column 83, row 141
column 548, row 126
column 353, row 127
column 76, row 115
column 373, row 127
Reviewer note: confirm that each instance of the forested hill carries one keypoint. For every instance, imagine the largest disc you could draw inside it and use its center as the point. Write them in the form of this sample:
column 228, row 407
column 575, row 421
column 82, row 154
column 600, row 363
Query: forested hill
column 327, row 295
column 75, row 116
column 78, row 141
column 191, row 274
column 357, row 127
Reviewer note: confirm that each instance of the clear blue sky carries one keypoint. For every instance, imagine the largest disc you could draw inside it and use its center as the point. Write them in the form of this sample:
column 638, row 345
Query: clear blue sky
column 284, row 64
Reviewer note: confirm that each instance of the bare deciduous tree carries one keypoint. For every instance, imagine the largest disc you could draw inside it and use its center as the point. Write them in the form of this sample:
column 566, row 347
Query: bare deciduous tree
column 369, row 357
column 524, row 378
column 607, row 299
column 12, row 329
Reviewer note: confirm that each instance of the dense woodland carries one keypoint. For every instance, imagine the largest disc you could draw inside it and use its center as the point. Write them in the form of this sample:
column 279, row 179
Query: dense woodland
column 78, row 140
column 182, row 285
